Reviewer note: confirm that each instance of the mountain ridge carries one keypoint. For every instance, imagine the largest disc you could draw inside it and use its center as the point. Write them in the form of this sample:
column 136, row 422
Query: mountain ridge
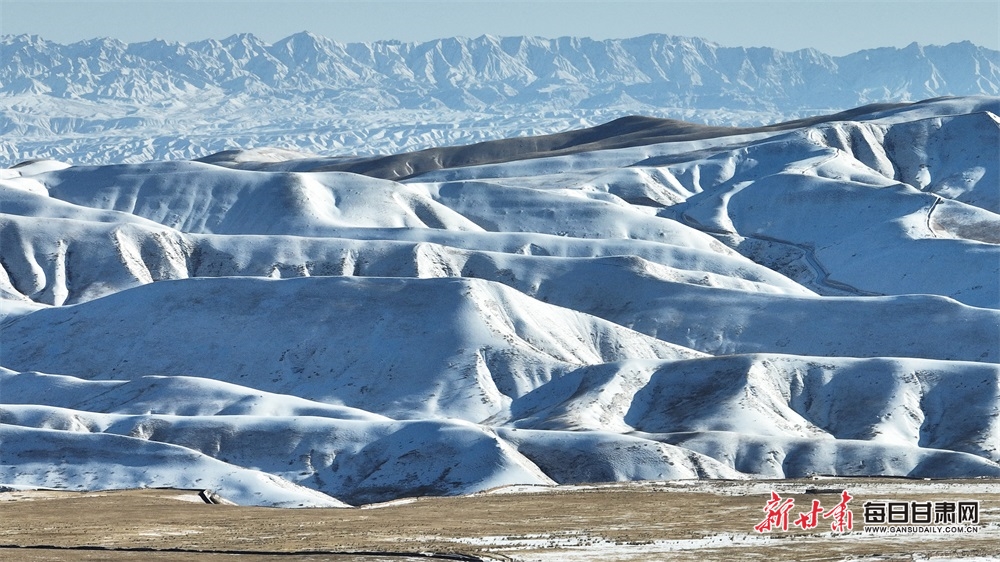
column 649, row 299
column 494, row 70
column 103, row 101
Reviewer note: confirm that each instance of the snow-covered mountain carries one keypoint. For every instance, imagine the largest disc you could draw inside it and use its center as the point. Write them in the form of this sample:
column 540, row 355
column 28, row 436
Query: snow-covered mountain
column 642, row 300
column 104, row 101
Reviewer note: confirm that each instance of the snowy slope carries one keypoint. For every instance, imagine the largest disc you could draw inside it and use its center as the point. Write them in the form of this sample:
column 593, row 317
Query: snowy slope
column 44, row 458
column 815, row 299
column 487, row 343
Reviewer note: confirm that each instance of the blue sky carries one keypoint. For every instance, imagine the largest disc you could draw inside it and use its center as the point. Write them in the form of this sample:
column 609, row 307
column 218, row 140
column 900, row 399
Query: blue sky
column 833, row 27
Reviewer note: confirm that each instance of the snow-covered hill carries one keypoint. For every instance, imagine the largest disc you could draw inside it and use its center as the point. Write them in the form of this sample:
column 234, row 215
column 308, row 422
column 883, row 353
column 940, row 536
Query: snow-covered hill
column 650, row 300
column 102, row 101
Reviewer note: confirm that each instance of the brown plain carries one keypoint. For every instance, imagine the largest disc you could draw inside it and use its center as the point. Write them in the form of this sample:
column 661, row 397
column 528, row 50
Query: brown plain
column 713, row 520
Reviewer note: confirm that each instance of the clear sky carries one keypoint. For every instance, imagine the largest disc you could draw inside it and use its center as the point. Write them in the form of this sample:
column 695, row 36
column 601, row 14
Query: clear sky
column 834, row 27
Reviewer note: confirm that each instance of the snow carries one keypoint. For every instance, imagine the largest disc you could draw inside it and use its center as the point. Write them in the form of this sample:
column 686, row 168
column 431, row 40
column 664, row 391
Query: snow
column 585, row 547
column 102, row 101
column 93, row 461
column 822, row 300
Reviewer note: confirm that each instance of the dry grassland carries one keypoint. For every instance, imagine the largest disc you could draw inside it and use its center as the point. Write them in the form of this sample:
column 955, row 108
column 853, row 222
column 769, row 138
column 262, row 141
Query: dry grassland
column 638, row 521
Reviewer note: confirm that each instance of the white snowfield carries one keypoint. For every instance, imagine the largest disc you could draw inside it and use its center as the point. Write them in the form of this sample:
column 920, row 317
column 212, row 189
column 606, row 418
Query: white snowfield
column 822, row 300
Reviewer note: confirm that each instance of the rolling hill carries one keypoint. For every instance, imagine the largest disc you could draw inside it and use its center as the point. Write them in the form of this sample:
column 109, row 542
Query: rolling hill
column 816, row 298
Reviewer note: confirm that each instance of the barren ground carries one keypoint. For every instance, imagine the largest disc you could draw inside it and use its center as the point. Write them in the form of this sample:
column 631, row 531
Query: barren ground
column 687, row 520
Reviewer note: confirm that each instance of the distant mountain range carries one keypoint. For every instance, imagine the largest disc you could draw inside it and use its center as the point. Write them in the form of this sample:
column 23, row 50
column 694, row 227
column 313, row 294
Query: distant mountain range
column 487, row 71
column 109, row 101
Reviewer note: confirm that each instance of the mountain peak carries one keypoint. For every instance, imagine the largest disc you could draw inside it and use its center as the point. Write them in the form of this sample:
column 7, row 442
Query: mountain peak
column 508, row 77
